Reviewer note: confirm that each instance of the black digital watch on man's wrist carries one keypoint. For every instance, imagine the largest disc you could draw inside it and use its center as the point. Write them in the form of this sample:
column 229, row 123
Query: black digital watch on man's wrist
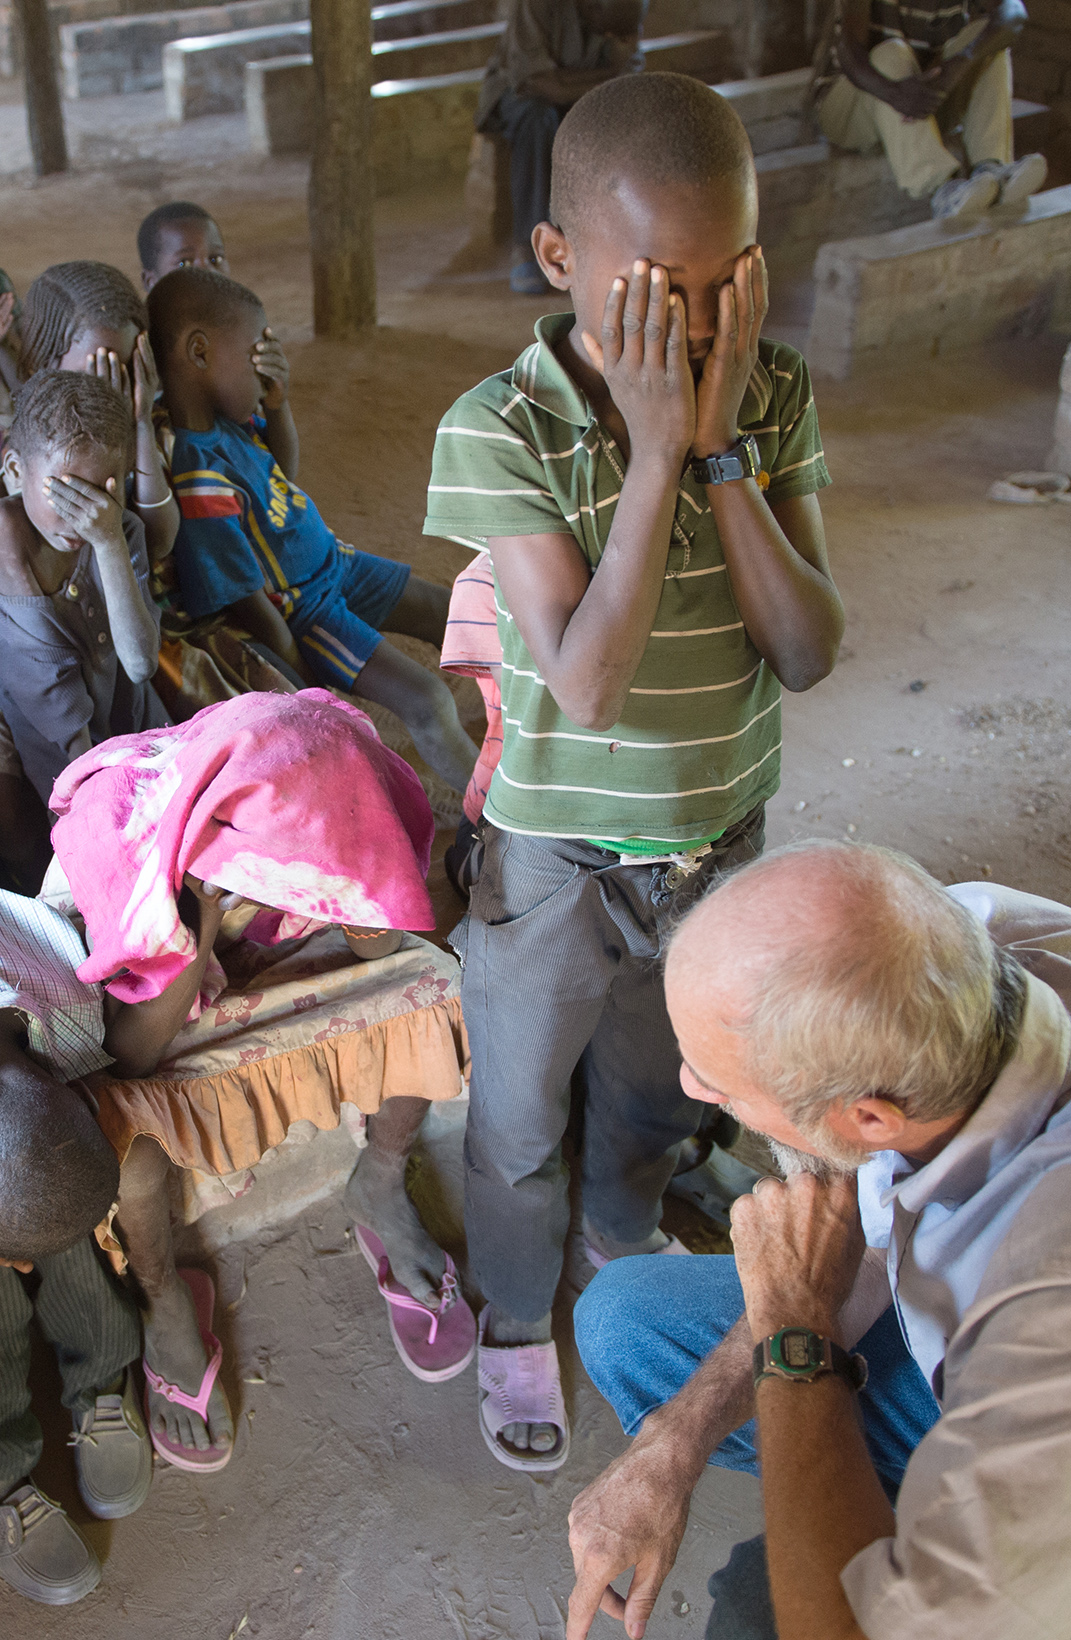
column 803, row 1357
column 741, row 460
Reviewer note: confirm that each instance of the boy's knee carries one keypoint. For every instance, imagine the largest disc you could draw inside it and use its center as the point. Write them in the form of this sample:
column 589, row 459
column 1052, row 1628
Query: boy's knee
column 895, row 59
column 432, row 704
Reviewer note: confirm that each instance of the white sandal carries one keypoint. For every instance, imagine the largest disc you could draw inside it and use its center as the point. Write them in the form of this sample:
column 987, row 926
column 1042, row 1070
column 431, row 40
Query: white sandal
column 521, row 1384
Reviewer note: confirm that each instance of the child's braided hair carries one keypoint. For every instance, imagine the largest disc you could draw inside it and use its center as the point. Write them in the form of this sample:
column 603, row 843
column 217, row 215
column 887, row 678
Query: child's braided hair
column 64, row 410
column 65, row 301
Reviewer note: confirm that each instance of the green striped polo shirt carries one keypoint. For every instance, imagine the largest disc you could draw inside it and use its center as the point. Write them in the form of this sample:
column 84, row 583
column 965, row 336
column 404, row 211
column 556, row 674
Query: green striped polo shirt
column 698, row 744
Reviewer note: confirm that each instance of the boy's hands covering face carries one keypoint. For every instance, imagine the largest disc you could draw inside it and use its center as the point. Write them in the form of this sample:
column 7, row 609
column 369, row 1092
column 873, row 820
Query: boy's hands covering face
column 273, row 368
column 642, row 355
column 110, row 368
column 94, row 516
column 742, row 305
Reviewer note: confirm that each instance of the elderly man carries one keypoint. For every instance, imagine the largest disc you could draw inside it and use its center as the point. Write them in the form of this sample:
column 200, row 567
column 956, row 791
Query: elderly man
column 905, row 1047
column 905, row 76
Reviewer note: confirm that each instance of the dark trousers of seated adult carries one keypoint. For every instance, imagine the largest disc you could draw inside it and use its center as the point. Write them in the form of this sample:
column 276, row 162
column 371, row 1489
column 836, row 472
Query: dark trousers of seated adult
column 93, row 1327
column 643, row 1327
column 561, row 969
column 529, row 125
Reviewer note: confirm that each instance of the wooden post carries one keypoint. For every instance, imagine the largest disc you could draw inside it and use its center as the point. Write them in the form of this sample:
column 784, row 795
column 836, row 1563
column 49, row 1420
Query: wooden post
column 341, row 187
column 44, row 110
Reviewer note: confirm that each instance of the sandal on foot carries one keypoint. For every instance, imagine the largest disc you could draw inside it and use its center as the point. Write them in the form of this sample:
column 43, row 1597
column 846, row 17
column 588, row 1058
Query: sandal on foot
column 435, row 1342
column 521, row 1384
column 189, row 1457
column 600, row 1259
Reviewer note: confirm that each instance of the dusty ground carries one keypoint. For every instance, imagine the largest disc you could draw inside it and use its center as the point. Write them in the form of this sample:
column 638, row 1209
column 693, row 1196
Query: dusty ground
column 361, row 1505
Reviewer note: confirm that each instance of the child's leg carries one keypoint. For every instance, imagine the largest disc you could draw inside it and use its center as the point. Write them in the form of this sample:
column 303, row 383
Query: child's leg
column 20, row 1433
column 376, row 1196
column 427, row 708
column 92, row 1324
column 421, row 611
column 173, row 1347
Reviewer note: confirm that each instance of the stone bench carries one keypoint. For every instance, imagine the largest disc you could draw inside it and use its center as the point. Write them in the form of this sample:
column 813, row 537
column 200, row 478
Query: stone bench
column 207, row 75
column 121, row 54
column 422, row 128
column 103, row 54
column 929, row 289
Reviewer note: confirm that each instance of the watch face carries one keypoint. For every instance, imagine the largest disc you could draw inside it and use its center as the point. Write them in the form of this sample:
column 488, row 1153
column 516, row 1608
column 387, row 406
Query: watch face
column 796, row 1350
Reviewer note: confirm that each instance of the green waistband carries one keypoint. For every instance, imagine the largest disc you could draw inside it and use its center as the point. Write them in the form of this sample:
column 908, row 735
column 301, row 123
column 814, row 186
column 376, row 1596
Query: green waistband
column 647, row 845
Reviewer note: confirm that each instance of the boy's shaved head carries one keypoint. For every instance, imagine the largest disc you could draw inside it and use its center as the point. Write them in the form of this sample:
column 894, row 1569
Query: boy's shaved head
column 194, row 299
column 656, row 129
column 177, row 210
column 58, row 1173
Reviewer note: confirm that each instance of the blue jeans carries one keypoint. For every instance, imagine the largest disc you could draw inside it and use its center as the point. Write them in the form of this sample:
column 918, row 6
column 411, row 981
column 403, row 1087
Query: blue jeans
column 644, row 1325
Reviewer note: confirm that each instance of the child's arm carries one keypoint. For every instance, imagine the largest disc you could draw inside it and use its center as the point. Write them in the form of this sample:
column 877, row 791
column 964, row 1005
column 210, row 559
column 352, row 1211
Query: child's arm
column 97, row 517
column 587, row 632
column 152, row 499
column 775, row 554
column 260, row 618
column 137, row 1033
column 281, row 435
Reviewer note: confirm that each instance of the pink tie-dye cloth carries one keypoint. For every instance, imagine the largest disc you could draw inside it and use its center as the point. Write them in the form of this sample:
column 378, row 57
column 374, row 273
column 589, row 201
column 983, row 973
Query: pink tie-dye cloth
column 289, row 800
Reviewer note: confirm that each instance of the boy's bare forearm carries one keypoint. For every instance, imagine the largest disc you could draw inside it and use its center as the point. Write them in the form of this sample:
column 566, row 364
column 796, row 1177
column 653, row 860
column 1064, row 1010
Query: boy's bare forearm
column 281, row 437
column 589, row 633
column 153, row 501
column 787, row 600
column 134, row 631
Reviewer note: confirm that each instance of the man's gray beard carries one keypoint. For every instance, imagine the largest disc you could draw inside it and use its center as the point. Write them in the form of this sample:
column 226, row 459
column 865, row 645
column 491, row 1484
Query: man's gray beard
column 790, row 1161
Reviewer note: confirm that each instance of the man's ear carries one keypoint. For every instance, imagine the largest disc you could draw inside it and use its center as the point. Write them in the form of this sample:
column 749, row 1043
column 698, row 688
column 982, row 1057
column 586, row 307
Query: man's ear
column 11, row 470
column 876, row 1123
column 554, row 255
column 197, row 349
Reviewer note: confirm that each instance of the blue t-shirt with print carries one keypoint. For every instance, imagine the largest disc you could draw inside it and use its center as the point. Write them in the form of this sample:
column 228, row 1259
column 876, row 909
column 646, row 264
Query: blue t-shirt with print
column 246, row 527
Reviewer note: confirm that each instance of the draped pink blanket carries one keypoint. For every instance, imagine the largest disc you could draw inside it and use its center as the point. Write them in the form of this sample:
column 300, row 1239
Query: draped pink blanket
column 289, row 800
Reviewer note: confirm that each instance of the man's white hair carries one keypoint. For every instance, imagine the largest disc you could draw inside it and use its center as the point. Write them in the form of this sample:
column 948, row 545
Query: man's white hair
column 901, row 995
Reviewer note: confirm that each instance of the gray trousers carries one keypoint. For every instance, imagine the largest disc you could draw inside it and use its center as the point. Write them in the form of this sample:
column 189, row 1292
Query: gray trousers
column 560, row 952
column 96, row 1333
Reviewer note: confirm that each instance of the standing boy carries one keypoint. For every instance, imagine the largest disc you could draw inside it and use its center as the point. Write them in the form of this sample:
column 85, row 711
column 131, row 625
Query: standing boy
column 644, row 479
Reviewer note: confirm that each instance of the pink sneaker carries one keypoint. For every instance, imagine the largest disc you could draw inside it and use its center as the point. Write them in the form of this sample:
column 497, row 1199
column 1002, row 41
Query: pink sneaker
column 435, row 1343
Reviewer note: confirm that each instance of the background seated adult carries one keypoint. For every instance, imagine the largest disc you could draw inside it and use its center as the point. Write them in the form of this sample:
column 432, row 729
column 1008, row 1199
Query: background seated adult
column 551, row 53
column 906, row 77
column 869, row 1021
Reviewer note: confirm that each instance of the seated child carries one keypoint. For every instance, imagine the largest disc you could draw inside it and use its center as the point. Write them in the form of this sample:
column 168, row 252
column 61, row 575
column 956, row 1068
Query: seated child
column 252, row 543
column 58, row 1179
column 173, row 844
column 644, row 480
column 78, row 629
column 183, row 235
column 88, row 316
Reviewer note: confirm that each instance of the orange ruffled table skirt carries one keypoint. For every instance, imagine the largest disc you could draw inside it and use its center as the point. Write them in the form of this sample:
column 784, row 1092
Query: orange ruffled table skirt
column 305, row 1028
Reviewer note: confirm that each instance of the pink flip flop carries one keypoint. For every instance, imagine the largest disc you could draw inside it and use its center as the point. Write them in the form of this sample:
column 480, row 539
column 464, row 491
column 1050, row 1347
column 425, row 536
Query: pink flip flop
column 600, row 1259
column 435, row 1343
column 187, row 1457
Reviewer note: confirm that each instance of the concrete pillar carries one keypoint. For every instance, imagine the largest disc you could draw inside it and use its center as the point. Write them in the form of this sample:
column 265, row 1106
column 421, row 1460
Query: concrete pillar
column 341, row 189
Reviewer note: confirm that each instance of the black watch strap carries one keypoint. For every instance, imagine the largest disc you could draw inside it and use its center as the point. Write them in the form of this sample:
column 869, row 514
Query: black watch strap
column 741, row 460
column 802, row 1357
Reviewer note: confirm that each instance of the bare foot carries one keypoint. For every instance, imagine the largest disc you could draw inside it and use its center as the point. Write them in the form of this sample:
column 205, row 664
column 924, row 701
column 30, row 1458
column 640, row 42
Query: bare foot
column 174, row 1351
column 503, row 1331
column 376, row 1196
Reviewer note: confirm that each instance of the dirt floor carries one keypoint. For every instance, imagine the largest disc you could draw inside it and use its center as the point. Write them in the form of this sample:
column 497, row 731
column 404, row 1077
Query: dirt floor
column 361, row 1505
